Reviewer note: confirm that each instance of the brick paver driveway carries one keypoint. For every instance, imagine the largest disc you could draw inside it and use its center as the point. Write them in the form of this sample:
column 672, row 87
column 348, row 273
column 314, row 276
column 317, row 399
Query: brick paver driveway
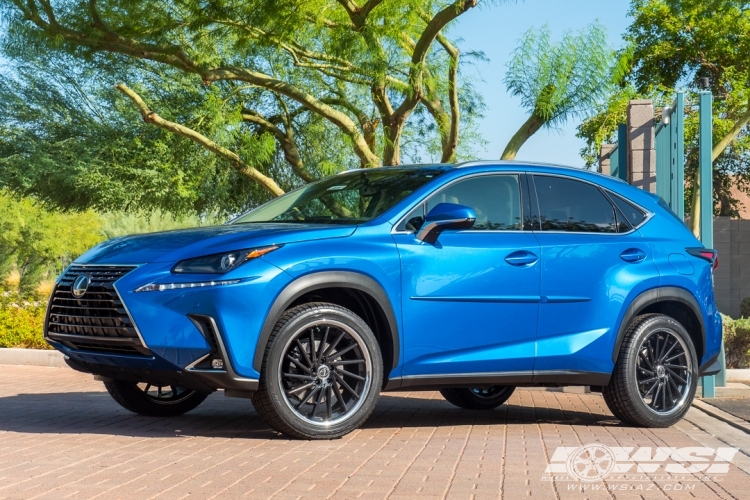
column 61, row 436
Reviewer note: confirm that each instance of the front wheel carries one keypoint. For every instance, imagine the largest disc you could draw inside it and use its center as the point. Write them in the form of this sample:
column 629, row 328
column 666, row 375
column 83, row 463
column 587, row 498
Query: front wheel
column 152, row 399
column 656, row 373
column 478, row 399
column 321, row 373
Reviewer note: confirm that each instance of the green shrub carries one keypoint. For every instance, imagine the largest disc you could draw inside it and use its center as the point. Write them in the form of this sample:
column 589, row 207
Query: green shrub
column 745, row 308
column 736, row 341
column 21, row 322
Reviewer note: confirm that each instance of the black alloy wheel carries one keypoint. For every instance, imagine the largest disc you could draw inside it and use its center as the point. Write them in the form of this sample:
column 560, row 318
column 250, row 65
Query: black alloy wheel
column 322, row 372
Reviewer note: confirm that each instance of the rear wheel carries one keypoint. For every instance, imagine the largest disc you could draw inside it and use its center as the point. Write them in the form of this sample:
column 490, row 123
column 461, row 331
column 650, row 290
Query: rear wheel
column 478, row 399
column 152, row 399
column 656, row 373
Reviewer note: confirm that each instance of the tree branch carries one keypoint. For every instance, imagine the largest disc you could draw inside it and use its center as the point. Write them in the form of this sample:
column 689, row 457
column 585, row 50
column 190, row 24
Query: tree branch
column 416, row 75
column 150, row 117
column 724, row 143
column 285, row 140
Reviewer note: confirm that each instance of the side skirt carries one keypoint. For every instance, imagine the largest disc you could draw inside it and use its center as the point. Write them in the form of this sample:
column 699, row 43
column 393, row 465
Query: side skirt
column 518, row 379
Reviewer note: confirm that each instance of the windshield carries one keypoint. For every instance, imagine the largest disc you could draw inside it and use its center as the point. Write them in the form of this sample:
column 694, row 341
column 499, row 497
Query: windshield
column 348, row 198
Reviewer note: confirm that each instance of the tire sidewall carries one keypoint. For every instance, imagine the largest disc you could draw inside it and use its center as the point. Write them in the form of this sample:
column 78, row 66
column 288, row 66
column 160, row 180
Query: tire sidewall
column 270, row 372
column 648, row 327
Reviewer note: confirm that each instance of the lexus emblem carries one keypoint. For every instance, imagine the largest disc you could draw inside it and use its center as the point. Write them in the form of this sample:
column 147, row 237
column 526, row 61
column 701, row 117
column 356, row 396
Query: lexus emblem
column 80, row 285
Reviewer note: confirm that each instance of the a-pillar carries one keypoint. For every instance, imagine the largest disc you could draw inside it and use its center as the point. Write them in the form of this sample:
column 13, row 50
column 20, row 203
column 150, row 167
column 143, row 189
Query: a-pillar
column 641, row 153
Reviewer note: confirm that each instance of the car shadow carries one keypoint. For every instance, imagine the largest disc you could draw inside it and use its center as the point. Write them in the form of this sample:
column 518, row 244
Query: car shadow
column 219, row 416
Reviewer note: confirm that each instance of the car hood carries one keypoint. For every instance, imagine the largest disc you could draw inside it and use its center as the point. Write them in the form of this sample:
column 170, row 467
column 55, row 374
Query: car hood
column 171, row 246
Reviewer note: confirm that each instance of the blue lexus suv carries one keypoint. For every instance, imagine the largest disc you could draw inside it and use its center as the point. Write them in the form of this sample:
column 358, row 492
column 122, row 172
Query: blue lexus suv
column 471, row 279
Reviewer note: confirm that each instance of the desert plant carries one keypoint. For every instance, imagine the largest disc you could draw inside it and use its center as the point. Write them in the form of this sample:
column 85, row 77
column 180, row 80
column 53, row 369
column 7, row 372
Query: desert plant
column 736, row 341
column 745, row 308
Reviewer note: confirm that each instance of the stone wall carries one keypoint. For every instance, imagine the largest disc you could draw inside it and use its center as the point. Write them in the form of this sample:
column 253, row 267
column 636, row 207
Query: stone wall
column 732, row 278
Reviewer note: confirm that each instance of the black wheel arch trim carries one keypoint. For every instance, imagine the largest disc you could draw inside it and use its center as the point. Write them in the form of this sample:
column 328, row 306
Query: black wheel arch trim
column 654, row 296
column 320, row 280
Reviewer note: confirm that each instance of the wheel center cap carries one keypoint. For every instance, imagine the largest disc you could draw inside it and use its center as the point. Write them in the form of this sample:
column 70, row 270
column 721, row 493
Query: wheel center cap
column 660, row 371
column 323, row 372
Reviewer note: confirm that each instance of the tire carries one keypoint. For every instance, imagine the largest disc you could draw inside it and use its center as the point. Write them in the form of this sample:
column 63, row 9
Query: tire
column 478, row 399
column 321, row 374
column 655, row 377
column 145, row 399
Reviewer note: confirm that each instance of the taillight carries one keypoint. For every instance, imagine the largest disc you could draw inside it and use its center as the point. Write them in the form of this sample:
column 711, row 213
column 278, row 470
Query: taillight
column 708, row 254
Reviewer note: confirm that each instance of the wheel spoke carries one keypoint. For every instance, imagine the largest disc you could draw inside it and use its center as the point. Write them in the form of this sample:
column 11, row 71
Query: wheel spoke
column 347, row 362
column 329, row 394
column 674, row 357
column 644, row 355
column 312, row 346
column 674, row 344
column 298, row 376
column 655, row 398
column 301, row 388
column 317, row 403
column 340, row 397
column 322, row 345
column 346, row 386
column 350, row 374
column 148, row 386
column 333, row 345
column 304, row 353
column 677, row 376
column 648, row 372
column 343, row 351
column 648, row 380
column 299, row 365
column 651, row 389
column 309, row 395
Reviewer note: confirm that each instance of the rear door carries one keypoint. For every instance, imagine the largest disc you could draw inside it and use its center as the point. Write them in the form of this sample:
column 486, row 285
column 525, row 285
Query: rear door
column 471, row 299
column 591, row 259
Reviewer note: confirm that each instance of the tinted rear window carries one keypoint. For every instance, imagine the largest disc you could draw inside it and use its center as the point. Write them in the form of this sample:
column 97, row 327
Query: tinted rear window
column 574, row 206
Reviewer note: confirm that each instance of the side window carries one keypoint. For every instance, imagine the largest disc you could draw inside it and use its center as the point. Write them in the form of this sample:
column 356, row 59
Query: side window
column 574, row 206
column 496, row 199
column 633, row 215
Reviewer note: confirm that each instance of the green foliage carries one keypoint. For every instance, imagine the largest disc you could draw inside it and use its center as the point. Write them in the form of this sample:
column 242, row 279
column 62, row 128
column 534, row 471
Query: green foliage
column 564, row 79
column 39, row 243
column 71, row 141
column 21, row 322
column 745, row 308
column 736, row 341
column 672, row 44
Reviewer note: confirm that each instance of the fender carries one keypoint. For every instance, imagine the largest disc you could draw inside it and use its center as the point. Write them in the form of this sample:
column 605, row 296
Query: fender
column 653, row 296
column 326, row 279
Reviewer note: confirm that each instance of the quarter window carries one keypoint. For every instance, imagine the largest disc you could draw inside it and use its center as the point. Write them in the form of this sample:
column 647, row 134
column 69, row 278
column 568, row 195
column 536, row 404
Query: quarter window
column 496, row 199
column 632, row 214
column 574, row 206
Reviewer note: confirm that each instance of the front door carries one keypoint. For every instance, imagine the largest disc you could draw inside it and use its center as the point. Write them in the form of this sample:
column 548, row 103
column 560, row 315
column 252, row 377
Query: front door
column 471, row 299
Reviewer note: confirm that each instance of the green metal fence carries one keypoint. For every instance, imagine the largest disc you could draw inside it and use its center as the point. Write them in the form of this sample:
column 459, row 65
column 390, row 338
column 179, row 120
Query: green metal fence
column 670, row 156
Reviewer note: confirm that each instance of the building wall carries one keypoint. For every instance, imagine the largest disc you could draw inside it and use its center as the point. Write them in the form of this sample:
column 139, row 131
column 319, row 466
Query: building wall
column 732, row 278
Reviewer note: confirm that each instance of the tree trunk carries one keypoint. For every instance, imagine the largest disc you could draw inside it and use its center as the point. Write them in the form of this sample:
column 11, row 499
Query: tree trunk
column 528, row 129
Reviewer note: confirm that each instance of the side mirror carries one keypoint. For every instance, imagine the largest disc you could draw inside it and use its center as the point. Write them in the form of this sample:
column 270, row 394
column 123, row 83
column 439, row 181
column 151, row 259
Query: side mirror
column 445, row 216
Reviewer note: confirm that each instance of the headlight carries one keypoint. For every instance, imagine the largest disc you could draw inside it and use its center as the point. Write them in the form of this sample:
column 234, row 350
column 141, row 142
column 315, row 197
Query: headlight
column 220, row 263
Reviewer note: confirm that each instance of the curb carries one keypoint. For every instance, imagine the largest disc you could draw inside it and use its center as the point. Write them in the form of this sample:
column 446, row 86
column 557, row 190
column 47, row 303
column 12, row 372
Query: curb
column 722, row 415
column 31, row 357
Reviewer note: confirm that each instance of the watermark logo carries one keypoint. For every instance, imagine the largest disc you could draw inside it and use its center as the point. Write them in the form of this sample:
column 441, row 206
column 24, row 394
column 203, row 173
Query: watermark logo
column 596, row 462
column 592, row 462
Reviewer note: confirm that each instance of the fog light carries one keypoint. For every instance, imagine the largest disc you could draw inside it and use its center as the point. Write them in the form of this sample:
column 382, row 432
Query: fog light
column 217, row 364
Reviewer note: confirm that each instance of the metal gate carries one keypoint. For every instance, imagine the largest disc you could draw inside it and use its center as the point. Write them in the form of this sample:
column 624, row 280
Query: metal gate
column 670, row 156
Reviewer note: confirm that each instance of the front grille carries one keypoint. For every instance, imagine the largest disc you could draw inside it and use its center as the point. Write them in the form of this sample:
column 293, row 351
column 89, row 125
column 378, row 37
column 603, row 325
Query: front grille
column 96, row 321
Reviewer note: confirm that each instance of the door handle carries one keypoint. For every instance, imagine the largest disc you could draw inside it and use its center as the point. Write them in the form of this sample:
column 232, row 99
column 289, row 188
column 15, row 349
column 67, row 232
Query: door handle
column 521, row 258
column 633, row 255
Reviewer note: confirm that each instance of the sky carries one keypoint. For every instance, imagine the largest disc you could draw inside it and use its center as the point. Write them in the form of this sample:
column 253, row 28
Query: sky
column 495, row 30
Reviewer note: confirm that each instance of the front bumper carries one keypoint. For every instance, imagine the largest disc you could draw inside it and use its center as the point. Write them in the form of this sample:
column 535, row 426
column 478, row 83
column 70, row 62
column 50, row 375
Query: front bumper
column 182, row 331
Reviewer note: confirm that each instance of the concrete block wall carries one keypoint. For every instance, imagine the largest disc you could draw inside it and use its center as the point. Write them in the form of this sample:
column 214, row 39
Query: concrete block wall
column 641, row 143
column 732, row 278
column 605, row 156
